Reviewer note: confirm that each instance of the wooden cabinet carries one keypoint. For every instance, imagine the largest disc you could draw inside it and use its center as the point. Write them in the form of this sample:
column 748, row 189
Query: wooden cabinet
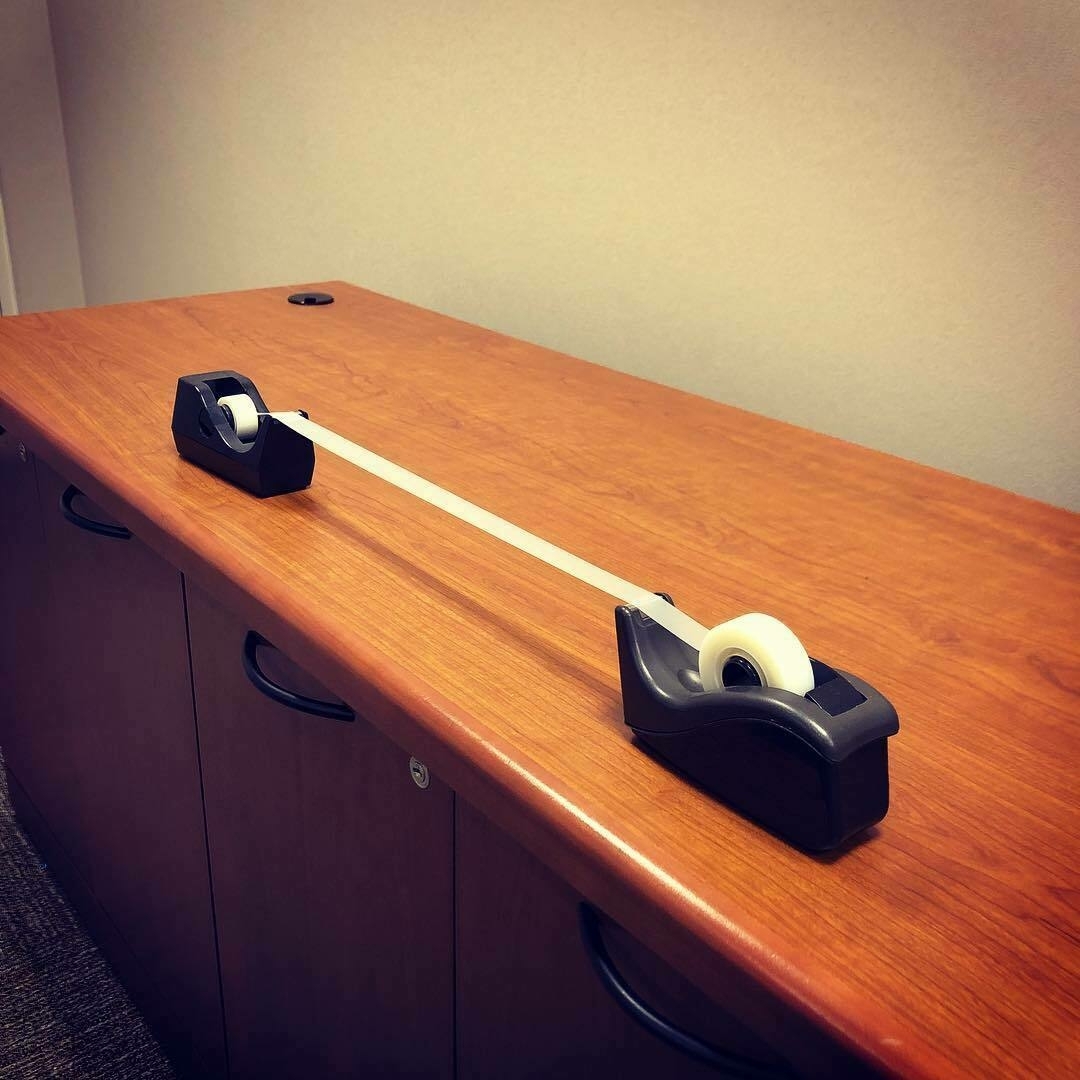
column 936, row 944
column 106, row 764
column 529, row 1003
column 332, row 877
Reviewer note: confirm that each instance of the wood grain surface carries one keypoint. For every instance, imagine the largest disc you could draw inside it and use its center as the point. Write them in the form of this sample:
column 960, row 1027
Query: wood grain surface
column 943, row 943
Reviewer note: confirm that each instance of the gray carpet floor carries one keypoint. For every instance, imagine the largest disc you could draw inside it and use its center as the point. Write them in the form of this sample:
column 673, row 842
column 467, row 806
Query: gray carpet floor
column 62, row 1012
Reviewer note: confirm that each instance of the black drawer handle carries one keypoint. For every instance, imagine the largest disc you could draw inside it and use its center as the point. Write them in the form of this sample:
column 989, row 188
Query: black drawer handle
column 731, row 1065
column 116, row 532
column 331, row 709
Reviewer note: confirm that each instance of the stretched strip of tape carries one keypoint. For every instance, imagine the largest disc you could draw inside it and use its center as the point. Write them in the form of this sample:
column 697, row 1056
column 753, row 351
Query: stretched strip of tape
column 667, row 615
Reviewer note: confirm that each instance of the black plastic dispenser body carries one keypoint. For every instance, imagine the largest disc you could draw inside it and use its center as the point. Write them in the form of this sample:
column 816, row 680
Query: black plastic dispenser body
column 275, row 462
column 814, row 770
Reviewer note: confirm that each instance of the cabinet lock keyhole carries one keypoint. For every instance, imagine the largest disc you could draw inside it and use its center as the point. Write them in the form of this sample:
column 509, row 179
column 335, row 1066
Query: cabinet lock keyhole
column 419, row 772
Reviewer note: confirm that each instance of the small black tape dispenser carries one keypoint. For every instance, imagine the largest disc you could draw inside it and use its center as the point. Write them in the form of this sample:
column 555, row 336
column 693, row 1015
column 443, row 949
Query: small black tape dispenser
column 812, row 768
column 255, row 452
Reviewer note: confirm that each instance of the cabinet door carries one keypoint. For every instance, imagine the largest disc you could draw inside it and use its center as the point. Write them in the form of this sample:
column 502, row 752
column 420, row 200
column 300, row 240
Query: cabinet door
column 332, row 877
column 112, row 769
column 530, row 1004
column 25, row 674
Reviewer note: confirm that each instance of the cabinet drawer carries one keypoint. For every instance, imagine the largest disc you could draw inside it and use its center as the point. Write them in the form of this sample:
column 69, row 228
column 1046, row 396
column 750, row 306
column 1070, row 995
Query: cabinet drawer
column 530, row 1003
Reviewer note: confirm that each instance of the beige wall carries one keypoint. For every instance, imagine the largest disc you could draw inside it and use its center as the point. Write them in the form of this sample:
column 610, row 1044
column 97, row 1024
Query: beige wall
column 862, row 217
column 34, row 187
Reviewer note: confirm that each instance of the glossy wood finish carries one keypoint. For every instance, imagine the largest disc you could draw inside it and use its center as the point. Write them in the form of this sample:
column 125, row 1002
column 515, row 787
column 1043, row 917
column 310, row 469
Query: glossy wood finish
column 332, row 878
column 944, row 943
column 109, row 760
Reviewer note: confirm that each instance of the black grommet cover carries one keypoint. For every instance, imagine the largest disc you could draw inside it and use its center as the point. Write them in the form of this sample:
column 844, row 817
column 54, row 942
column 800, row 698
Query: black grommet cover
column 308, row 299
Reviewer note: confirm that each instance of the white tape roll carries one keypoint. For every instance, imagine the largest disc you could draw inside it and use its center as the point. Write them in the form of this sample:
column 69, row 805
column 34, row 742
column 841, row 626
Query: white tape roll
column 771, row 649
column 764, row 641
column 244, row 414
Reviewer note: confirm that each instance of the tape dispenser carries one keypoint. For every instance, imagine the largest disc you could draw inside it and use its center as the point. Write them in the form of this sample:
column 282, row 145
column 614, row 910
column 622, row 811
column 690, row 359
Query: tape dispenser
column 216, row 423
column 811, row 767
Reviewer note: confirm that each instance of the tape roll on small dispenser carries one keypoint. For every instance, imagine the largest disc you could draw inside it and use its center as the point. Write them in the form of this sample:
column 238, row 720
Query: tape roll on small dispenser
column 242, row 413
column 774, row 654
column 741, row 708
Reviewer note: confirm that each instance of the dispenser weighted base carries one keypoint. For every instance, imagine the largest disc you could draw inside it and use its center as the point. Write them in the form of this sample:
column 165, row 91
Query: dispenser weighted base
column 813, row 768
column 215, row 426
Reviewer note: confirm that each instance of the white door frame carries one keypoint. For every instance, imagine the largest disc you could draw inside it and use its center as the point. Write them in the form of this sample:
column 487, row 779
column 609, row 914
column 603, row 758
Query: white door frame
column 9, row 304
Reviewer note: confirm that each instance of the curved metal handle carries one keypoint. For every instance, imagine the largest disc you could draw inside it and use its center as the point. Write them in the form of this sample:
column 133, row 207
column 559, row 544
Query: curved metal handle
column 332, row 709
column 730, row 1065
column 116, row 532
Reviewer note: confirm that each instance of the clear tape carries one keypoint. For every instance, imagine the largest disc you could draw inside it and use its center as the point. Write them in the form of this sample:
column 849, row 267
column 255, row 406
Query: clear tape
column 667, row 615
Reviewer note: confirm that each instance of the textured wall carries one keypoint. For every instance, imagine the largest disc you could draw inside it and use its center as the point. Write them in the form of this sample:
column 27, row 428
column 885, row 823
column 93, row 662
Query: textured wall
column 34, row 182
column 859, row 217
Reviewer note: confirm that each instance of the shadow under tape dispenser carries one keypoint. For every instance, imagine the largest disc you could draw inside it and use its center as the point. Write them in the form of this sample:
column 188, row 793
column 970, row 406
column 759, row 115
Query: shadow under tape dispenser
column 740, row 709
